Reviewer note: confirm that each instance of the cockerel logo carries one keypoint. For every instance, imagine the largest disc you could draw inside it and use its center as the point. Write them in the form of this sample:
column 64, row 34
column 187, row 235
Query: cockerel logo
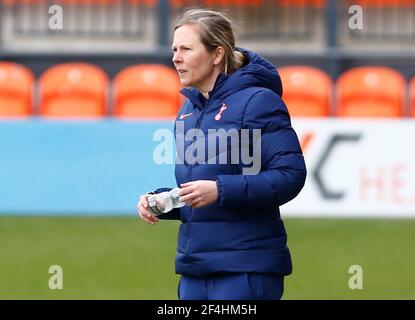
column 222, row 108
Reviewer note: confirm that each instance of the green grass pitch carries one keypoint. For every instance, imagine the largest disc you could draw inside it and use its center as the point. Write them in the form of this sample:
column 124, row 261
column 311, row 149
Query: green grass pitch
column 124, row 258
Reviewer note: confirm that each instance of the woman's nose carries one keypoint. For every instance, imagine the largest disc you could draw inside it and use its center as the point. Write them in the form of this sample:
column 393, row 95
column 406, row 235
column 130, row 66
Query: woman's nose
column 176, row 57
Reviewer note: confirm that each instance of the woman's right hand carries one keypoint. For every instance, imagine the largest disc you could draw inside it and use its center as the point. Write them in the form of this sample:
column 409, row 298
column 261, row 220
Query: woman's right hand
column 144, row 211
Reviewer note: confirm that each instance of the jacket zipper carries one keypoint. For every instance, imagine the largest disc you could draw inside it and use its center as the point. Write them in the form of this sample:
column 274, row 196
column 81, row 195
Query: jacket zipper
column 197, row 127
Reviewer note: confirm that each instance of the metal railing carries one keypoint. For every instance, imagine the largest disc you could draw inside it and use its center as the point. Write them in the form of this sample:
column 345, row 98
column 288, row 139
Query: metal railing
column 266, row 19
column 382, row 21
column 129, row 18
column 263, row 20
column 121, row 19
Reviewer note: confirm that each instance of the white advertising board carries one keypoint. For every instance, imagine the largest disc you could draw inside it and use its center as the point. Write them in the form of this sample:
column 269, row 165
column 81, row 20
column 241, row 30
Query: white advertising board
column 356, row 168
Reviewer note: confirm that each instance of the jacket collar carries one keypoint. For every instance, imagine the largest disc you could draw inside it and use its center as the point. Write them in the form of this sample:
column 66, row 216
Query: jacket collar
column 258, row 72
column 197, row 98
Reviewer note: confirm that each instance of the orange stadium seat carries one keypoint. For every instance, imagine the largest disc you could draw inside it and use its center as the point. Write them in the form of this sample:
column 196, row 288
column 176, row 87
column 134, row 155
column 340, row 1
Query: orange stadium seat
column 370, row 92
column 68, row 2
column 383, row 3
column 306, row 91
column 89, row 2
column 146, row 91
column 182, row 3
column 99, row 2
column 221, row 3
column 412, row 96
column 149, row 3
column 7, row 2
column 303, row 3
column 227, row 3
column 75, row 2
column 12, row 2
column 16, row 90
column 29, row 2
column 73, row 90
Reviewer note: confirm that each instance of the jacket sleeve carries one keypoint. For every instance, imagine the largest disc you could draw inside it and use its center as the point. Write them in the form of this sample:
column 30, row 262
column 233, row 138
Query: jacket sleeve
column 175, row 213
column 171, row 215
column 282, row 169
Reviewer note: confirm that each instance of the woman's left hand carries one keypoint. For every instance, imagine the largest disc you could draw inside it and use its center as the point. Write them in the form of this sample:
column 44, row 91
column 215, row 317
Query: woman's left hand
column 199, row 193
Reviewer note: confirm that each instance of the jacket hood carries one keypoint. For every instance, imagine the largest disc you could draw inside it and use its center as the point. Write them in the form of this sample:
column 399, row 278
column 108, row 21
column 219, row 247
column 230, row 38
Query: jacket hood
column 258, row 72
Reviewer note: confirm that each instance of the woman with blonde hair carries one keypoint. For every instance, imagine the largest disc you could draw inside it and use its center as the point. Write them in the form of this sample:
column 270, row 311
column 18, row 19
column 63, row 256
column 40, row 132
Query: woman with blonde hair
column 232, row 242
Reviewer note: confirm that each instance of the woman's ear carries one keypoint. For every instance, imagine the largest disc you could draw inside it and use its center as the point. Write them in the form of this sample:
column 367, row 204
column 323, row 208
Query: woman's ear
column 219, row 55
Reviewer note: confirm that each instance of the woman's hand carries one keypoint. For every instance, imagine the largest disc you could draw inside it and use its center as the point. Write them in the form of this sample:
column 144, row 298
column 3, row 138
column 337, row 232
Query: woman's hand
column 144, row 212
column 199, row 193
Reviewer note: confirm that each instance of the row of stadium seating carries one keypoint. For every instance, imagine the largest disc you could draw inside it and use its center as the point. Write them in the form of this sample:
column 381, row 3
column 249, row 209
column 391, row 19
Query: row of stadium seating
column 180, row 3
column 82, row 90
column 183, row 3
column 372, row 91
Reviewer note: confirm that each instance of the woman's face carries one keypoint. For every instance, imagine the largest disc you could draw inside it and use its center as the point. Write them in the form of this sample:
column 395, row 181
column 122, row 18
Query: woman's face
column 196, row 66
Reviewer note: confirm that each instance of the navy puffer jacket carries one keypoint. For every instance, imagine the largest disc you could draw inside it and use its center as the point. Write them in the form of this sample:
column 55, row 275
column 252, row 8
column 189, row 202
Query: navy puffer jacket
column 242, row 232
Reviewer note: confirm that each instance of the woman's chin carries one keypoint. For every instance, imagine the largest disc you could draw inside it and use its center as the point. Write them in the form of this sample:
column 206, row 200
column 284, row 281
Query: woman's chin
column 185, row 83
